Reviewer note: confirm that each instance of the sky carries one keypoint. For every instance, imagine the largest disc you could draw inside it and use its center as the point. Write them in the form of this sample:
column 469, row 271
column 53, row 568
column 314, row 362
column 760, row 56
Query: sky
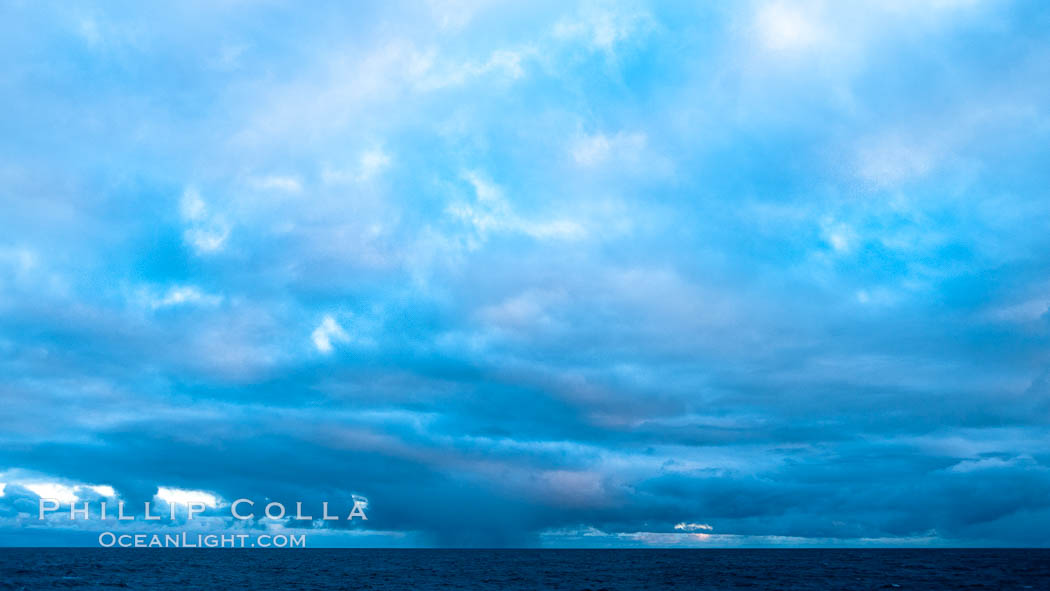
column 546, row 274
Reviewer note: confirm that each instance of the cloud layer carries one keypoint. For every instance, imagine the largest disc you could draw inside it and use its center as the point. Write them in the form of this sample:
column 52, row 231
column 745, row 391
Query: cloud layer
column 571, row 275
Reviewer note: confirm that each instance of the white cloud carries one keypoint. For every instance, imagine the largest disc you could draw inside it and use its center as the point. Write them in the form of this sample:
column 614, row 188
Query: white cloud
column 3, row 486
column 355, row 86
column 454, row 14
column 18, row 262
column 207, row 240
column 646, row 537
column 192, row 206
column 228, row 57
column 89, row 32
column 788, row 27
column 288, row 184
column 506, row 61
column 839, row 235
column 839, row 35
column 104, row 490
column 239, row 345
column 205, row 232
column 184, row 295
column 591, row 150
column 492, row 213
column 558, row 229
column 1026, row 311
column 327, row 332
column 484, row 189
column 66, row 493
column 603, row 28
column 693, row 527
column 892, row 159
column 500, row 62
column 371, row 164
column 183, row 496
column 877, row 296
column 930, row 9
column 52, row 490
column 989, row 463
column 523, row 312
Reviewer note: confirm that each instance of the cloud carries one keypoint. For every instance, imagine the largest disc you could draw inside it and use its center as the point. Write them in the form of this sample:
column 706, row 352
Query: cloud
column 327, row 333
column 52, row 490
column 1026, row 311
column 287, row 184
column 192, row 206
column 788, row 27
column 371, row 163
column 604, row 270
column 20, row 262
column 184, row 497
column 105, row 490
column 205, row 232
column 491, row 213
column 183, row 295
column 454, row 14
column 604, row 27
column 889, row 161
column 207, row 240
column 525, row 311
column 683, row 526
column 991, row 463
column 89, row 31
column 591, row 150
column 840, row 236
column 505, row 63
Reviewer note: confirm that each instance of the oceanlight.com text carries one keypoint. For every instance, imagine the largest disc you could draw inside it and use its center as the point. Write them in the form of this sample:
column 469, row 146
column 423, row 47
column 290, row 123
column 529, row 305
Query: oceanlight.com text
column 196, row 540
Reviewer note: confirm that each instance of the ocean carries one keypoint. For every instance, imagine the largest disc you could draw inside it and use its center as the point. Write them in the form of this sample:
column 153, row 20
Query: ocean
column 781, row 569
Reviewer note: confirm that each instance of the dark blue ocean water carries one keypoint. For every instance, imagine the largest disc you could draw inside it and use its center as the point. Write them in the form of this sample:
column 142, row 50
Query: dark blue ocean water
column 183, row 569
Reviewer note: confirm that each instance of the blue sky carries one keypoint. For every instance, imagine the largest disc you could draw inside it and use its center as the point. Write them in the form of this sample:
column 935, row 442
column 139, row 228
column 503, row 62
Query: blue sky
column 597, row 274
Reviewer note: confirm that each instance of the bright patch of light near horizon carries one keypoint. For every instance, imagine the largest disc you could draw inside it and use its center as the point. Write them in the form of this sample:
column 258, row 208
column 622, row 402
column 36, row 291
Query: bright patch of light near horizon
column 104, row 490
column 693, row 526
column 182, row 496
column 53, row 490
